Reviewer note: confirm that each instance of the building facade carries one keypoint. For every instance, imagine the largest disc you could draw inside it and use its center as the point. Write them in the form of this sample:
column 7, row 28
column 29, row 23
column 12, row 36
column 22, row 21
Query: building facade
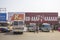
column 3, row 17
column 59, row 19
column 41, row 17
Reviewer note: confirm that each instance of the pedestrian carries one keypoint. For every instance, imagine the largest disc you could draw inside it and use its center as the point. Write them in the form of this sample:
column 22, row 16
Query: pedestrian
column 34, row 29
column 37, row 29
column 52, row 28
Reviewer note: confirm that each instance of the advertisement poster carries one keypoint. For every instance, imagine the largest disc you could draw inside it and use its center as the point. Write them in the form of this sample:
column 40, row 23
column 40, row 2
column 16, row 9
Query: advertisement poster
column 15, row 16
column 2, row 16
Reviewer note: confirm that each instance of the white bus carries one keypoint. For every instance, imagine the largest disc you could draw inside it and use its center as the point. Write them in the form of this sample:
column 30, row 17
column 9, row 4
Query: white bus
column 18, row 27
column 46, row 27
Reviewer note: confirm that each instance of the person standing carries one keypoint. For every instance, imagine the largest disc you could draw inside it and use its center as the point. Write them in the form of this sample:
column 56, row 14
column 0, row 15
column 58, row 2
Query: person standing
column 34, row 29
column 37, row 29
column 52, row 28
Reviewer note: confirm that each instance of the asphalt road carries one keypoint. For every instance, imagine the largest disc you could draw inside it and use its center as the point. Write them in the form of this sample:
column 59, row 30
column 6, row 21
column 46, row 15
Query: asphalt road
column 31, row 36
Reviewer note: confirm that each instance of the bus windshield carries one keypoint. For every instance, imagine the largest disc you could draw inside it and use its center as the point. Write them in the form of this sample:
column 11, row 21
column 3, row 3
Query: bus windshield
column 21, row 23
column 15, row 23
column 46, row 26
column 18, row 23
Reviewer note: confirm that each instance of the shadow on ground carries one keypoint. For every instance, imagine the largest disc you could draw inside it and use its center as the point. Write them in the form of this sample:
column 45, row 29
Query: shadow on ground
column 10, row 33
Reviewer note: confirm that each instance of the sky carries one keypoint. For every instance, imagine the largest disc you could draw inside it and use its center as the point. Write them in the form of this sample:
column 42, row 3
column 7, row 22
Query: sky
column 31, row 5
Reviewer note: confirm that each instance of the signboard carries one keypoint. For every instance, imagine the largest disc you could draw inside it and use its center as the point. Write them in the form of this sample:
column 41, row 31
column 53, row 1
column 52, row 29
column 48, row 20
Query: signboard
column 2, row 16
column 17, row 17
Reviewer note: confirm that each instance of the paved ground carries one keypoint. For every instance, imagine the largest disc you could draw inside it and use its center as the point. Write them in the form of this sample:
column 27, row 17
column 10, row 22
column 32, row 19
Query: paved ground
column 31, row 36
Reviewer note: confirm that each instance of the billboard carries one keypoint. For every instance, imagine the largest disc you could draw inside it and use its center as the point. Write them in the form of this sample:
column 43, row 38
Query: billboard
column 16, row 16
column 2, row 16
